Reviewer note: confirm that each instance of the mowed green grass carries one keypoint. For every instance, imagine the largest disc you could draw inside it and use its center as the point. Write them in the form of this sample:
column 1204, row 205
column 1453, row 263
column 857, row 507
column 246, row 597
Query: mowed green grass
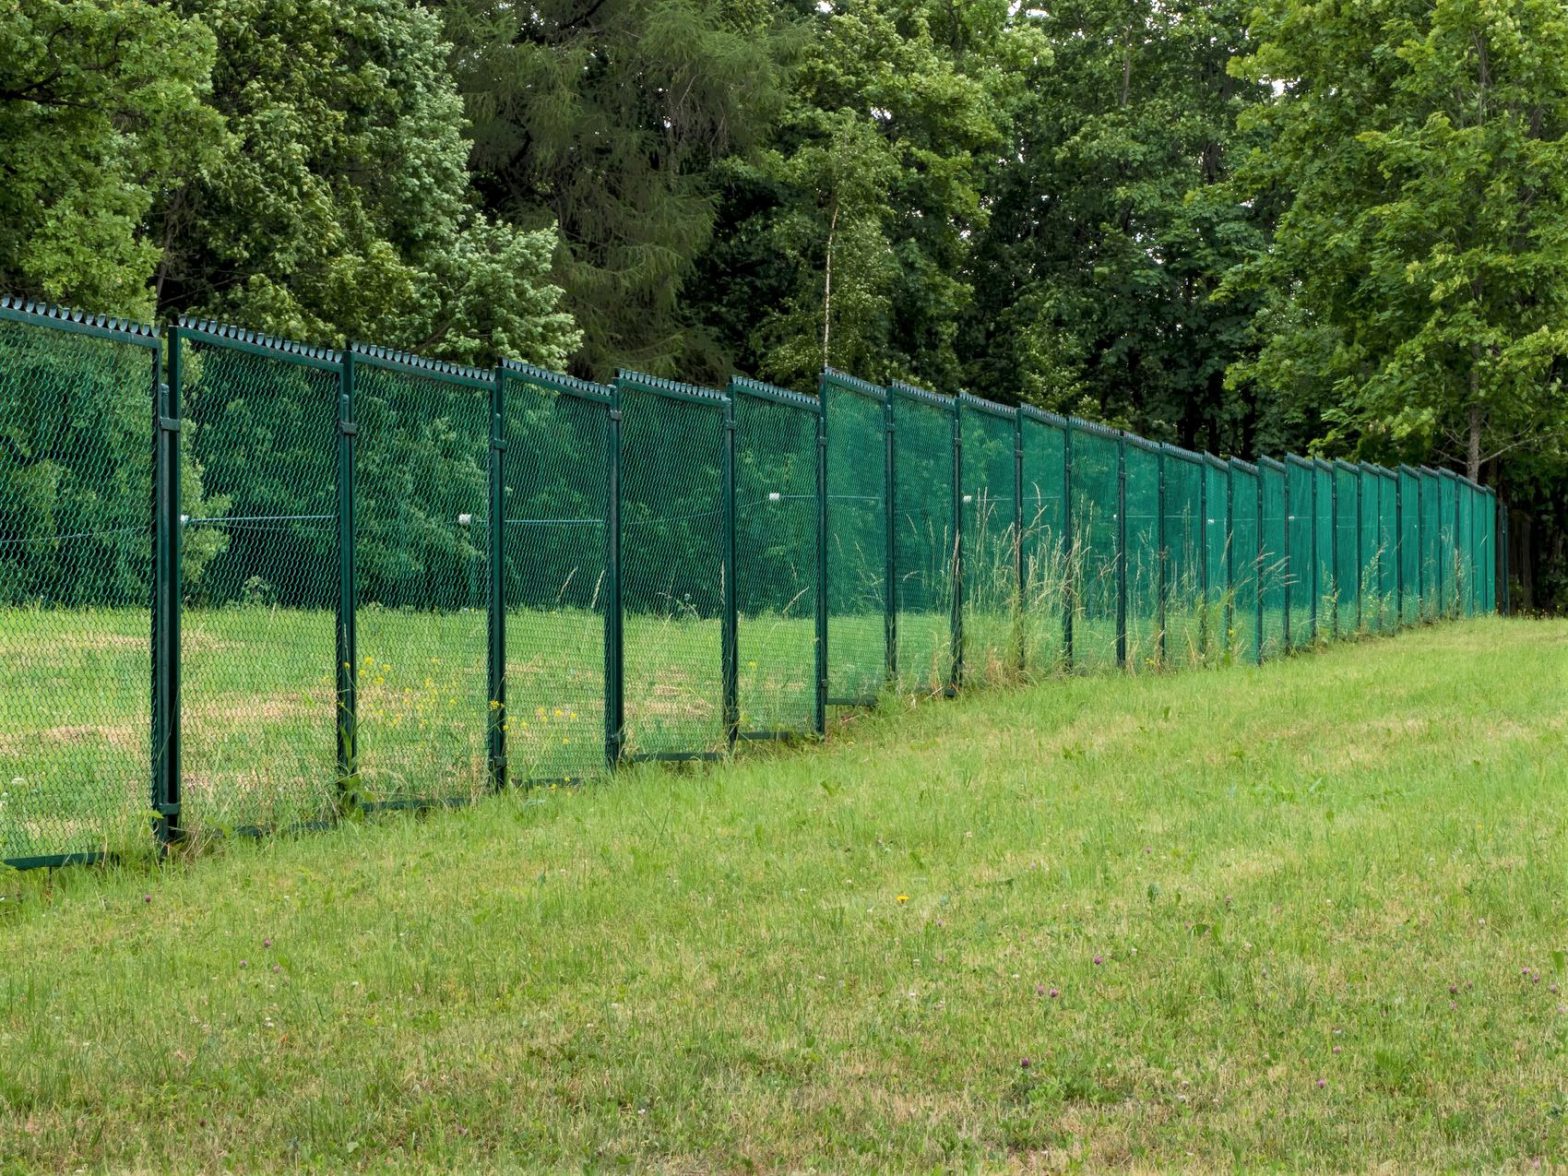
column 1308, row 915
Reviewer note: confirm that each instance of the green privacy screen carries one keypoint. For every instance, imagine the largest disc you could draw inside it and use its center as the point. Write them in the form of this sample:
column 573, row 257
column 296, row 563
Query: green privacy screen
column 858, row 472
column 925, row 539
column 259, row 630
column 673, row 573
column 76, row 572
column 248, row 584
column 777, row 554
column 556, row 586
column 993, row 649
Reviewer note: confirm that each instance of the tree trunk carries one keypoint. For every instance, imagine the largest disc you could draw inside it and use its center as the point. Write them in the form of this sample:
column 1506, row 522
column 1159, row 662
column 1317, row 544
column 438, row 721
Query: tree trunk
column 827, row 291
column 1473, row 443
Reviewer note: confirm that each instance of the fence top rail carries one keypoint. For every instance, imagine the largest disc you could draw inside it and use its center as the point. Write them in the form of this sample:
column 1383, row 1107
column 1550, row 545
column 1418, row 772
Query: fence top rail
column 1295, row 459
column 1444, row 472
column 1409, row 471
column 1272, row 464
column 1348, row 467
column 234, row 338
column 1142, row 443
column 844, row 382
column 922, row 395
column 1218, row 463
column 547, row 381
column 1030, row 413
column 1245, row 467
column 406, row 362
column 757, row 390
column 1079, row 425
column 671, row 389
column 1323, row 464
column 79, row 322
column 1371, row 467
column 981, row 404
column 1188, row 455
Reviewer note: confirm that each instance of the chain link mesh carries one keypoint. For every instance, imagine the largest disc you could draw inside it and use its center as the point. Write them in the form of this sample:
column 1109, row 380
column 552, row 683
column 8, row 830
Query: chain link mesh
column 857, row 537
column 1045, row 551
column 1095, row 554
column 1217, row 545
column 1144, row 570
column 992, row 638
column 421, row 543
column 1243, row 561
column 75, row 580
column 1184, row 545
column 672, row 566
column 776, row 572
column 1302, row 570
column 924, row 537
column 258, row 635
column 555, row 567
column 1273, row 562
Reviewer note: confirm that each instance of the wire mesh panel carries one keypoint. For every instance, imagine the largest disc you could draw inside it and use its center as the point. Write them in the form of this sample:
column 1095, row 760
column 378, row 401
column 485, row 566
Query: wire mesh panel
column 555, row 567
column 776, row 557
column 259, row 628
column 924, row 536
column 1184, row 555
column 1486, row 566
column 1388, row 550
column 1045, row 552
column 1370, row 552
column 1409, row 531
column 1244, row 529
column 422, row 510
column 75, row 582
column 1465, row 549
column 1273, row 565
column 990, row 558
column 1448, row 524
column 857, row 537
column 1433, row 602
column 1217, row 543
column 1145, row 573
column 1095, row 503
column 1347, row 547
column 1326, row 525
column 672, row 565
column 1301, row 571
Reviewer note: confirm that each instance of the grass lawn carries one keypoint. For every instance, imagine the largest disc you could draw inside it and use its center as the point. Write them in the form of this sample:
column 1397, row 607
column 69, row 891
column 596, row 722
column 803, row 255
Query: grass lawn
column 1309, row 915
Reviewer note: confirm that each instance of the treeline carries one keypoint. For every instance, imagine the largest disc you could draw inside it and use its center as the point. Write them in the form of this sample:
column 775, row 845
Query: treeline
column 1245, row 227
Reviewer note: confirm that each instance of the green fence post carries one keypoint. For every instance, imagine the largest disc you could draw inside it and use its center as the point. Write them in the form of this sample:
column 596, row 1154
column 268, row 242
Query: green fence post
column 166, row 594
column 1317, row 557
column 1069, row 572
column 348, row 595
column 614, row 619
column 1288, row 576
column 1018, row 542
column 820, row 701
column 1163, row 560
column 1504, row 554
column 890, row 555
column 1361, row 570
column 730, row 624
column 1203, row 559
column 1121, row 549
column 1399, row 551
column 496, row 597
column 956, row 676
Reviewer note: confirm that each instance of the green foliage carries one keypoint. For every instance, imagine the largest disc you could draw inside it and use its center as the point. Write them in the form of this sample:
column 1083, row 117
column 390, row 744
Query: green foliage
column 102, row 107
column 608, row 119
column 1418, row 277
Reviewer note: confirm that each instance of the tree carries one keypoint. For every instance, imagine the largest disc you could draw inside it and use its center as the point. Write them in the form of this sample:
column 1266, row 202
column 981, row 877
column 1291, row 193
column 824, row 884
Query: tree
column 608, row 118
column 341, row 206
column 1109, row 231
column 1418, row 279
column 101, row 107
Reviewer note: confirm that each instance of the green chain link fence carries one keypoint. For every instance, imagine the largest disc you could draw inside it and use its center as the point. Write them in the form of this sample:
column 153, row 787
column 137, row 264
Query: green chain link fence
column 247, row 584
